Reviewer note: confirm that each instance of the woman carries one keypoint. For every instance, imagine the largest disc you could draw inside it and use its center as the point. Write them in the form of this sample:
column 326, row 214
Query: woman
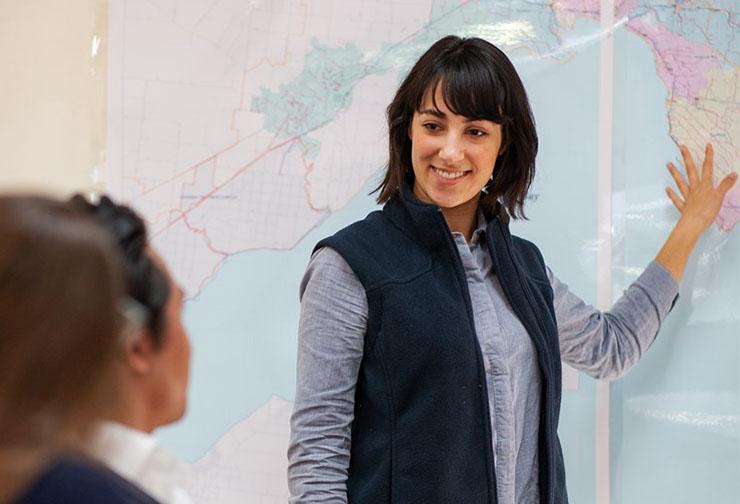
column 154, row 362
column 431, row 338
column 60, row 323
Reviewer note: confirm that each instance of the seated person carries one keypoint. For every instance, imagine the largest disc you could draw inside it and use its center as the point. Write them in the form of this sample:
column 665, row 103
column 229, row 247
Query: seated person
column 61, row 291
column 154, row 361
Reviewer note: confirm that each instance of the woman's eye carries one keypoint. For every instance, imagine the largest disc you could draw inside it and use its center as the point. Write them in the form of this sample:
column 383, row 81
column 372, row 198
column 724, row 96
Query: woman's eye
column 431, row 126
column 476, row 132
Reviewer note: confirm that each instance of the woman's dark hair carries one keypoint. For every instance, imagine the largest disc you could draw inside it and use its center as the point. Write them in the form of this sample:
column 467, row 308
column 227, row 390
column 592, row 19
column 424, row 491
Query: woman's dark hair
column 60, row 292
column 477, row 81
column 144, row 281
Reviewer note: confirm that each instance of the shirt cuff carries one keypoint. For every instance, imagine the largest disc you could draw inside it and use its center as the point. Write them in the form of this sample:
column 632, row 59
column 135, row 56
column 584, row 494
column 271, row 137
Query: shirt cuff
column 660, row 286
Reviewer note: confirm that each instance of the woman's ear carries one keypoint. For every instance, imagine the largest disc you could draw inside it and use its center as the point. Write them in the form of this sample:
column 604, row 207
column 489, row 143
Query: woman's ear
column 138, row 352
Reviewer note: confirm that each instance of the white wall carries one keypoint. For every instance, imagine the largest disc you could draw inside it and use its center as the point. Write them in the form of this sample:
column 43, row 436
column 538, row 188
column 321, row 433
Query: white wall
column 52, row 94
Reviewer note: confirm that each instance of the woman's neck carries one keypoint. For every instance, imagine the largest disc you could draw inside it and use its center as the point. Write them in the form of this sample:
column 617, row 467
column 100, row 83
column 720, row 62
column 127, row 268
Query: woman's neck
column 134, row 411
column 463, row 218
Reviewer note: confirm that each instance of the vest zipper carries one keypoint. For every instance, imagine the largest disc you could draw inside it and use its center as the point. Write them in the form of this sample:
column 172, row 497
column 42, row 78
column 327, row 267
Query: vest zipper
column 457, row 263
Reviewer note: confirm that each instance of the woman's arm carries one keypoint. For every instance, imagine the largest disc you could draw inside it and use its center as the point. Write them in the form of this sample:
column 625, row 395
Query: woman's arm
column 606, row 345
column 699, row 203
column 330, row 347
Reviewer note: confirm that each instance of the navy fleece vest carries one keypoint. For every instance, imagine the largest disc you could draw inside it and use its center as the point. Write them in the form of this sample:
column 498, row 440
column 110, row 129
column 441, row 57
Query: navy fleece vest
column 422, row 432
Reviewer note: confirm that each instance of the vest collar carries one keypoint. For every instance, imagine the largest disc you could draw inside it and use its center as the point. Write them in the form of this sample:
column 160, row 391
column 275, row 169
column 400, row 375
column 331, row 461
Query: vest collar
column 425, row 221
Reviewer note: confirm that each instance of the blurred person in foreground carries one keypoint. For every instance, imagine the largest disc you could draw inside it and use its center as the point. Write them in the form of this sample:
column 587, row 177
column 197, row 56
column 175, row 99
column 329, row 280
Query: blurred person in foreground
column 61, row 307
column 154, row 362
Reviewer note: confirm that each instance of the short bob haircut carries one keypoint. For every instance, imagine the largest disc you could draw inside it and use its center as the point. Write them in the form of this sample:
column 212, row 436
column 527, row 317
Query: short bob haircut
column 478, row 82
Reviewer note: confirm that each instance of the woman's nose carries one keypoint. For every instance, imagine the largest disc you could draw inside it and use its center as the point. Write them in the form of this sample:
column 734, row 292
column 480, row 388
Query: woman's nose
column 452, row 150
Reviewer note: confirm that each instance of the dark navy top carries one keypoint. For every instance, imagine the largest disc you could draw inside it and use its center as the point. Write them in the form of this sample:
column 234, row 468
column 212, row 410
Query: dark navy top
column 74, row 480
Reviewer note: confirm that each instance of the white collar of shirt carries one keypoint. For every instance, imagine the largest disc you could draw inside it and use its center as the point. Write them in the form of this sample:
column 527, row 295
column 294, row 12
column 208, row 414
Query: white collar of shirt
column 137, row 456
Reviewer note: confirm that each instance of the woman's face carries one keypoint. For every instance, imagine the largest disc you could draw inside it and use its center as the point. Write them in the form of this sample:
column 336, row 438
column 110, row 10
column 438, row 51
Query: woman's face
column 452, row 156
column 171, row 368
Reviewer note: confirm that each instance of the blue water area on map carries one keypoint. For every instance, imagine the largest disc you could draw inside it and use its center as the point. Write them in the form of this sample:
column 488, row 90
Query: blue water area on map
column 676, row 417
column 243, row 328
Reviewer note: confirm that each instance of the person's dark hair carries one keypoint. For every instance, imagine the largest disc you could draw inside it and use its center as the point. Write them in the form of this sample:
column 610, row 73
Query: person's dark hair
column 478, row 82
column 144, row 281
column 60, row 292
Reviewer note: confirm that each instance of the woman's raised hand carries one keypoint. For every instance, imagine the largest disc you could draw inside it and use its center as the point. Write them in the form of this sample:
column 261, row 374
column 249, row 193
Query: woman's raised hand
column 699, row 204
column 699, row 201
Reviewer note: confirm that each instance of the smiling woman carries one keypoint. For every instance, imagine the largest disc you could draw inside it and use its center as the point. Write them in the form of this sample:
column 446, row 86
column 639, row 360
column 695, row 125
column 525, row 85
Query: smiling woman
column 431, row 339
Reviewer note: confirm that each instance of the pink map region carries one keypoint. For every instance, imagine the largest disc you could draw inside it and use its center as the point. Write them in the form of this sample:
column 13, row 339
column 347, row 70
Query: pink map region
column 682, row 65
column 730, row 213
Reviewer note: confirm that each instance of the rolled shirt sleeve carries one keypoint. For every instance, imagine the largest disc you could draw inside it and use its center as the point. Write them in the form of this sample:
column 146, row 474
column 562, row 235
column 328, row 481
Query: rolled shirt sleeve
column 330, row 345
column 607, row 344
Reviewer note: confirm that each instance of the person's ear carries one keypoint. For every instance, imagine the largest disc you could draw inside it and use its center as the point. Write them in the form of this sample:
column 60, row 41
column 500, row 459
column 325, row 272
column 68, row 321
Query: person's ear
column 139, row 352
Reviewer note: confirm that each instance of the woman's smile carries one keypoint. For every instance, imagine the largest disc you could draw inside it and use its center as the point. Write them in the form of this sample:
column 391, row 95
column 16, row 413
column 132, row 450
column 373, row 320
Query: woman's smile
column 450, row 175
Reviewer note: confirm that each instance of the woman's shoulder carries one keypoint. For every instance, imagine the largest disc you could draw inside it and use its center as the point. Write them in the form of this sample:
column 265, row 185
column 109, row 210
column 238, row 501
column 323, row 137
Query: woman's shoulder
column 76, row 480
column 524, row 246
column 529, row 256
column 376, row 251
column 360, row 232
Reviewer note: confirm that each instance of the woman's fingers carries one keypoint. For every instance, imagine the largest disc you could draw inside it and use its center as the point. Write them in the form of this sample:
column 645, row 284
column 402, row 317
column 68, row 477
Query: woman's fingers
column 678, row 178
column 674, row 198
column 707, row 168
column 726, row 184
column 699, row 198
column 688, row 162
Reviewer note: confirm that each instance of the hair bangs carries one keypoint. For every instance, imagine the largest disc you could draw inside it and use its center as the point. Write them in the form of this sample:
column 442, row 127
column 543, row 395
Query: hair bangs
column 468, row 89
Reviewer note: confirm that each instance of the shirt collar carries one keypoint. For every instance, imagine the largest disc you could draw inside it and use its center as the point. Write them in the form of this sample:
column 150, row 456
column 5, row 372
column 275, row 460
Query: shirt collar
column 425, row 222
column 137, row 456
column 478, row 232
